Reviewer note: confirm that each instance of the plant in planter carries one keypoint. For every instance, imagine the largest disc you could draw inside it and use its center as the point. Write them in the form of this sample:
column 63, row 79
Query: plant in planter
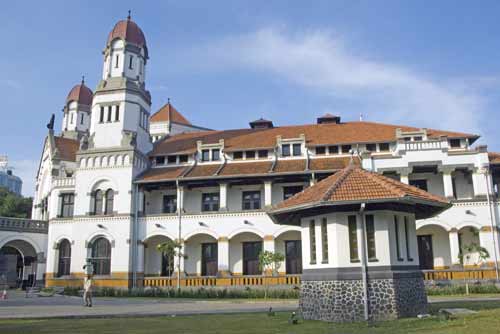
column 270, row 261
column 170, row 249
column 466, row 257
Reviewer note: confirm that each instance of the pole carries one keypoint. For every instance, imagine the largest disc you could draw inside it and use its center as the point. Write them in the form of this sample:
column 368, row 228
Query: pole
column 492, row 222
column 179, row 216
column 364, row 275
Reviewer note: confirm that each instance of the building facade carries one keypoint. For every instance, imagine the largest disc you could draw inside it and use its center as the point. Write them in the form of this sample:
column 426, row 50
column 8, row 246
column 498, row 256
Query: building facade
column 117, row 182
column 11, row 182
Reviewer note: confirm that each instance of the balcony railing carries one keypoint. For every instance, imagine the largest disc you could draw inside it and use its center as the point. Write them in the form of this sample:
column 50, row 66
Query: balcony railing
column 23, row 225
column 424, row 145
column 60, row 182
column 223, row 281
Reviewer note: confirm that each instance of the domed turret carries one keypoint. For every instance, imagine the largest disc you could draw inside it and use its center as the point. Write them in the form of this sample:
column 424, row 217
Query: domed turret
column 81, row 94
column 76, row 119
column 128, row 31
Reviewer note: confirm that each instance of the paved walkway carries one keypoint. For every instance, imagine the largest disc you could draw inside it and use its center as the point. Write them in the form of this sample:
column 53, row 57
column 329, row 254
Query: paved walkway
column 17, row 306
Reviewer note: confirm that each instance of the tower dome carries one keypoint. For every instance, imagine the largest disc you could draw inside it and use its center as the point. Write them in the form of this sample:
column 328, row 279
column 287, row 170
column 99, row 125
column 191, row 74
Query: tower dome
column 128, row 31
column 81, row 94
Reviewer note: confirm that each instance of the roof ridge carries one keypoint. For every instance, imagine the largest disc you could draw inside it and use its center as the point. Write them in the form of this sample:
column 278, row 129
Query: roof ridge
column 341, row 178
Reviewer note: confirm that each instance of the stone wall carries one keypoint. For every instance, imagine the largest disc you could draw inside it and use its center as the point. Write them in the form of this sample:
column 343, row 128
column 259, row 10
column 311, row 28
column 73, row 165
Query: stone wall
column 342, row 300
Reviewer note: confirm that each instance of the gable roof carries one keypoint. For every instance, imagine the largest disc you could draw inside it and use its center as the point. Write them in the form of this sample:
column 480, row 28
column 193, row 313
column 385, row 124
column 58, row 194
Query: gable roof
column 168, row 113
column 315, row 134
column 354, row 185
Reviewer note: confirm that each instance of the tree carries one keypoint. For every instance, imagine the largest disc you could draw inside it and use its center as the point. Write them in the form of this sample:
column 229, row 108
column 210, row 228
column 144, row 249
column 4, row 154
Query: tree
column 272, row 261
column 466, row 259
column 13, row 205
column 170, row 249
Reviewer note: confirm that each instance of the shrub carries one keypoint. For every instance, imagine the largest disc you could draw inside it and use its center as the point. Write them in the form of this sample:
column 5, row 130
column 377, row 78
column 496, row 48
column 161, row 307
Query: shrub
column 448, row 290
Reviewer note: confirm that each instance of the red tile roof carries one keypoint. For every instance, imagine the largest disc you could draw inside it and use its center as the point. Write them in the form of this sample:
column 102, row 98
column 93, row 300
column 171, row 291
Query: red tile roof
column 494, row 158
column 81, row 94
column 353, row 184
column 234, row 169
column 129, row 31
column 315, row 134
column 168, row 113
column 66, row 148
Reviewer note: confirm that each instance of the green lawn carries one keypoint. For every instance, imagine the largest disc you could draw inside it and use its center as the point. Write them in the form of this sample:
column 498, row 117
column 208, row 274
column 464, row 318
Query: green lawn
column 486, row 321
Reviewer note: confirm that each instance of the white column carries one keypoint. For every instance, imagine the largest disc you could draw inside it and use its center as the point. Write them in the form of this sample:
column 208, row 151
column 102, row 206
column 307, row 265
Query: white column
column 479, row 182
column 268, row 191
column 454, row 246
column 181, row 262
column 447, row 182
column 404, row 174
column 312, row 181
column 180, row 198
column 140, row 257
column 223, row 257
column 223, row 196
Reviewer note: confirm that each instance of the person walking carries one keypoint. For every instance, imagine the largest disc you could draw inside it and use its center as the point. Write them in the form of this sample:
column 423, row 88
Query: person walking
column 87, row 283
column 87, row 291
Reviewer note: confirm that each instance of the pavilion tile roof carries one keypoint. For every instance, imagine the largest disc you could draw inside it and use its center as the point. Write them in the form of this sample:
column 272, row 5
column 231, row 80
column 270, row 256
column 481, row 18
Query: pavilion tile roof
column 353, row 184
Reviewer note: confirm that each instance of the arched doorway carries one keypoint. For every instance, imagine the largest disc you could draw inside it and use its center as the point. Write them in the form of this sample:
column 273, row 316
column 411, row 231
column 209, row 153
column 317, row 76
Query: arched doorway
column 289, row 244
column 433, row 247
column 18, row 264
column 244, row 250
column 202, row 251
column 156, row 263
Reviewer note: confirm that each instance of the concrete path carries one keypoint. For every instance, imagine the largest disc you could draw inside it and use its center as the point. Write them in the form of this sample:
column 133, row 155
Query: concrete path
column 17, row 306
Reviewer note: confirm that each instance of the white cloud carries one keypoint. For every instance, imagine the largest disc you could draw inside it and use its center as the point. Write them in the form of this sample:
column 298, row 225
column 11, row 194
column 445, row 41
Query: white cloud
column 26, row 170
column 382, row 91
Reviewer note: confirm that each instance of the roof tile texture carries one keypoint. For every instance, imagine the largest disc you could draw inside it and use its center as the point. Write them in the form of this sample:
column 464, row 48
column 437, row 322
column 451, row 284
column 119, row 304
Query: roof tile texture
column 355, row 184
column 168, row 113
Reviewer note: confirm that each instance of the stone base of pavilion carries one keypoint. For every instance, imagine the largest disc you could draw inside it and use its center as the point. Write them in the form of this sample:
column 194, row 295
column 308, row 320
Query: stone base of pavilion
column 338, row 296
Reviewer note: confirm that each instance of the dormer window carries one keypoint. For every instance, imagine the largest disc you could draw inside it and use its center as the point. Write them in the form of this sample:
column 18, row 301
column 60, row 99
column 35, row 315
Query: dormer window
column 183, row 158
column 333, row 149
column 297, row 150
column 205, row 155
column 117, row 60
column 320, row 150
column 455, row 143
column 383, row 147
column 171, row 159
column 130, row 62
column 285, row 150
column 263, row 154
column 216, row 155
column 238, row 155
column 160, row 160
column 371, row 147
column 346, row 148
column 250, row 154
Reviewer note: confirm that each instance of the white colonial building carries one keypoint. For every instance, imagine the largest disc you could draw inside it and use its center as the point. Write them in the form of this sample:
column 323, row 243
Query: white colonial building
column 117, row 182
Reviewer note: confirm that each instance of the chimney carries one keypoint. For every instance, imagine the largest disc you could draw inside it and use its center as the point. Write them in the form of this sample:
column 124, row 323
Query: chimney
column 261, row 124
column 328, row 118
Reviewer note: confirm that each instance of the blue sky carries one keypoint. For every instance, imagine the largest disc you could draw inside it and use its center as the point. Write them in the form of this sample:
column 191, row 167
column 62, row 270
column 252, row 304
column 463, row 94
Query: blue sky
column 224, row 64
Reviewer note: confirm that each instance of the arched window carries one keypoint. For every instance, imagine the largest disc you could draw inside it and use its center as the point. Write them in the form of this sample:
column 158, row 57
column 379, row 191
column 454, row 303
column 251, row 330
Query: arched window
column 101, row 256
column 64, row 263
column 109, row 202
column 97, row 210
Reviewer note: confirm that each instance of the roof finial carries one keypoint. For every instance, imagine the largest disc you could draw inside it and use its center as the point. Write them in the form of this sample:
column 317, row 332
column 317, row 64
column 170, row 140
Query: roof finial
column 83, row 79
column 129, row 17
column 168, row 100
column 361, row 117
